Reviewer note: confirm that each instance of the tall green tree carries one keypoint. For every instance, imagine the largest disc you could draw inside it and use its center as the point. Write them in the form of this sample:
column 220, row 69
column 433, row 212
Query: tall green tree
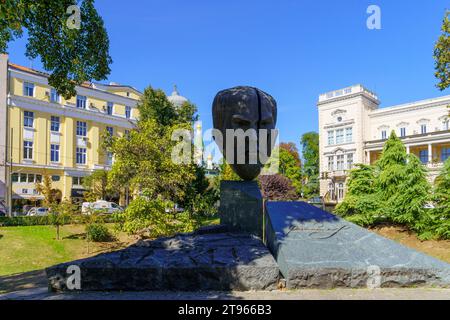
column 361, row 203
column 310, row 152
column 407, row 205
column 439, row 223
column 442, row 55
column 72, row 55
column 155, row 105
column 97, row 186
column 391, row 166
column 290, row 165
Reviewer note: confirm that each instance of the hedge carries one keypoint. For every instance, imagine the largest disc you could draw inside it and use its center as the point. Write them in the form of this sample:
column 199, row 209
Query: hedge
column 41, row 220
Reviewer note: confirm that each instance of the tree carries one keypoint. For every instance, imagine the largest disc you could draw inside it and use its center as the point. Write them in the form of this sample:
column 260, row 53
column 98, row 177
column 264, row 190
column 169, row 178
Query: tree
column 442, row 55
column 310, row 151
column 361, row 203
column 407, row 206
column 154, row 105
column 97, row 186
column 45, row 188
column 72, row 55
column 277, row 188
column 391, row 166
column 290, row 165
column 439, row 222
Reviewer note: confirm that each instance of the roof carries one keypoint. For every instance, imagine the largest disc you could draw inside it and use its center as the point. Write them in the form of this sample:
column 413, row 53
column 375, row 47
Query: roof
column 85, row 84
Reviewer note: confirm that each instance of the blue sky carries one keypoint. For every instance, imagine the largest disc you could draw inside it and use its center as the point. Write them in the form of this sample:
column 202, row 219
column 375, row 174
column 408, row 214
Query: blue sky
column 292, row 49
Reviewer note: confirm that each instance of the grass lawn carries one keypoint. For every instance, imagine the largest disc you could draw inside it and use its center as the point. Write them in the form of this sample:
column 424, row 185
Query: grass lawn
column 30, row 248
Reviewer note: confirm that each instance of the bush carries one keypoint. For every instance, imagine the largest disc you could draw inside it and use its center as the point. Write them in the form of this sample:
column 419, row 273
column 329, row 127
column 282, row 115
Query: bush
column 277, row 188
column 97, row 232
column 46, row 220
column 151, row 216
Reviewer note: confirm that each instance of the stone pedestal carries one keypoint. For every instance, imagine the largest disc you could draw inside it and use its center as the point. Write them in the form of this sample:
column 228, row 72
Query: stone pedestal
column 241, row 207
column 208, row 259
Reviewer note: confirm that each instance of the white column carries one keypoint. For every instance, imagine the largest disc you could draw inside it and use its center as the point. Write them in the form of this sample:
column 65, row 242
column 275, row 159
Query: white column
column 407, row 149
column 368, row 157
column 430, row 150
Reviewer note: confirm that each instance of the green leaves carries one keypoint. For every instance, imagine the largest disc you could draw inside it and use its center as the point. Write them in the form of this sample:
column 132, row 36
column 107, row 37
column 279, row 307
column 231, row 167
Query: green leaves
column 442, row 55
column 310, row 151
column 396, row 190
column 71, row 55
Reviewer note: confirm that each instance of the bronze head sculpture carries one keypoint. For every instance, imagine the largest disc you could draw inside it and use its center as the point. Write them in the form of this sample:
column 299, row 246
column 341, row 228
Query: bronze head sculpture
column 255, row 113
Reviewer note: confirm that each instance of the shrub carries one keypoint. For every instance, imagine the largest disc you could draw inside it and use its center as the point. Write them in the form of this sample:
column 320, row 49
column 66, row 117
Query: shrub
column 150, row 215
column 97, row 232
column 277, row 188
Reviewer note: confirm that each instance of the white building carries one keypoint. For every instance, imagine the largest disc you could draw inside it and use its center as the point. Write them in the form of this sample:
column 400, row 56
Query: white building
column 352, row 129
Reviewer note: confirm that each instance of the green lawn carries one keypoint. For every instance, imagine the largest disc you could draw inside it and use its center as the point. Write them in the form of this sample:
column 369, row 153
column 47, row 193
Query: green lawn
column 30, row 248
column 24, row 249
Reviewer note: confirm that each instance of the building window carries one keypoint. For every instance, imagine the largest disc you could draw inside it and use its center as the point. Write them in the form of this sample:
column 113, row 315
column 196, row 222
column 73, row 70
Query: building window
column 128, row 112
column 128, row 93
column 330, row 163
column 56, row 178
column 38, row 178
column 81, row 102
column 423, row 128
column 81, row 155
column 110, row 131
column 109, row 108
column 446, row 125
column 127, row 133
column 54, row 124
column 54, row 152
column 28, row 89
column 340, row 191
column 349, row 161
column 54, row 96
column 109, row 158
column 445, row 153
column 15, row 177
column 423, row 156
column 23, row 177
column 31, row 178
column 339, row 136
column 331, row 190
column 402, row 132
column 28, row 150
column 77, row 181
column 28, row 119
column 330, row 137
column 81, row 129
column 349, row 134
column 340, row 162
column 339, row 119
column 383, row 134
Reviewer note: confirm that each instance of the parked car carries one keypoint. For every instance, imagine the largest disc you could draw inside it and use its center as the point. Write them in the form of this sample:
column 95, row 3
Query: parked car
column 101, row 205
column 37, row 211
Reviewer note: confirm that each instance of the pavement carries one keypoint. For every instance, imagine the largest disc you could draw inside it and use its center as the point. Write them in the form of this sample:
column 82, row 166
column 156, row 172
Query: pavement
column 42, row 293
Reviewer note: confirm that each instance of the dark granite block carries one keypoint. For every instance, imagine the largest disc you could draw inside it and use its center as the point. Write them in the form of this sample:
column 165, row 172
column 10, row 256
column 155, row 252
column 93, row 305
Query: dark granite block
column 241, row 206
column 197, row 261
column 316, row 249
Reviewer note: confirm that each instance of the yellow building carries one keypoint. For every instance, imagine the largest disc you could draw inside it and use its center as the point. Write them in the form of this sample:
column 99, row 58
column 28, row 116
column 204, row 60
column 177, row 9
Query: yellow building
column 41, row 133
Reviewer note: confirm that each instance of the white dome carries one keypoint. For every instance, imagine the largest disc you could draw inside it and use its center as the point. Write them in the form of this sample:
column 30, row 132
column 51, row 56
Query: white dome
column 176, row 99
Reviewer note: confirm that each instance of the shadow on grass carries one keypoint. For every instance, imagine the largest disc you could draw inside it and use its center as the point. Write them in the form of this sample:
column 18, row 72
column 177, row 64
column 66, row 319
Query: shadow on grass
column 22, row 281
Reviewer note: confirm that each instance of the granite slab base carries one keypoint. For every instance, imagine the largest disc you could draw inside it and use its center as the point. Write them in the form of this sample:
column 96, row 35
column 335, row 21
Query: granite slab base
column 315, row 249
column 209, row 259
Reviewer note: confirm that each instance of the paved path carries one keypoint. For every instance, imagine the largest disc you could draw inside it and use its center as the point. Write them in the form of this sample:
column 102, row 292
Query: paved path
column 307, row 294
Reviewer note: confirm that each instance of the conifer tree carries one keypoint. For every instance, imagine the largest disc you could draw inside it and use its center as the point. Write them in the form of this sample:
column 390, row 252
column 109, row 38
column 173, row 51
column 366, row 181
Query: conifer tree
column 391, row 166
column 407, row 205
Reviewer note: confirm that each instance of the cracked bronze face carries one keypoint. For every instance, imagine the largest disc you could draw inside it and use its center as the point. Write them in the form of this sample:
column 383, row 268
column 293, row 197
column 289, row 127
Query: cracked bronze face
column 245, row 108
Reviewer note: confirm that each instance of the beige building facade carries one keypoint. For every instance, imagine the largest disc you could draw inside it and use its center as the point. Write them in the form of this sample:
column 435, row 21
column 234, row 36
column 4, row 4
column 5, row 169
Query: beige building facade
column 353, row 129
